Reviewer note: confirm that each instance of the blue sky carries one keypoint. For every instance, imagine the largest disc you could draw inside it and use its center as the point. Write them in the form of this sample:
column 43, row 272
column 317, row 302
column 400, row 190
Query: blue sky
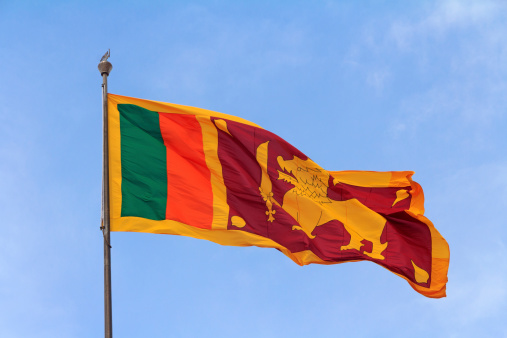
column 370, row 85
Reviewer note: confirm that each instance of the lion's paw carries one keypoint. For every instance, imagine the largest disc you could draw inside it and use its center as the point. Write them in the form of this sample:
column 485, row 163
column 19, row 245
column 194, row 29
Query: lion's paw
column 374, row 255
column 297, row 227
column 350, row 247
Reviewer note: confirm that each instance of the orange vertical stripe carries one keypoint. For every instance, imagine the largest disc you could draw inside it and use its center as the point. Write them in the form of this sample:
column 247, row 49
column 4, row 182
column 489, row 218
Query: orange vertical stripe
column 189, row 194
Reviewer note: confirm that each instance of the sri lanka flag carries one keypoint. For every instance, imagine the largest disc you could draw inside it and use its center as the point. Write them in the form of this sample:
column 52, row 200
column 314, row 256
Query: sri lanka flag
column 187, row 171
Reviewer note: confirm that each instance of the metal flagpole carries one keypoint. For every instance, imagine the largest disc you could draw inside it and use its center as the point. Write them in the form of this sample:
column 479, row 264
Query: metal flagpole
column 105, row 68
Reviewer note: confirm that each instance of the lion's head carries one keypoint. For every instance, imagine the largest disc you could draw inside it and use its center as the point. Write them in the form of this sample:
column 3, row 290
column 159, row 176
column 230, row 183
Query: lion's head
column 308, row 178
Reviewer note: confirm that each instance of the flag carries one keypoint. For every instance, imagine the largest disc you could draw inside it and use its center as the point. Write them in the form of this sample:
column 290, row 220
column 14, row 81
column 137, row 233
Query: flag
column 188, row 171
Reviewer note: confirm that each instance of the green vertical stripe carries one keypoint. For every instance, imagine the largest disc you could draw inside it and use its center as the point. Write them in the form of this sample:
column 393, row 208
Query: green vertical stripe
column 143, row 163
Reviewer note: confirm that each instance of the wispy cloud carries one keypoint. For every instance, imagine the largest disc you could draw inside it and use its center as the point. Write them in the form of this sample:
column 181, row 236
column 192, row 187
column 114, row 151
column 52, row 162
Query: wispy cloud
column 378, row 79
column 457, row 52
column 442, row 18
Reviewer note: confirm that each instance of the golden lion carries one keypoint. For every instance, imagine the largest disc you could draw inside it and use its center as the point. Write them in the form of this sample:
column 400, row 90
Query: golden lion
column 309, row 204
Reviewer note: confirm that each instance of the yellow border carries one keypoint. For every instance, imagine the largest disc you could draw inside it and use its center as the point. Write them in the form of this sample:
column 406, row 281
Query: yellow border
column 223, row 237
column 373, row 179
column 114, row 159
column 163, row 107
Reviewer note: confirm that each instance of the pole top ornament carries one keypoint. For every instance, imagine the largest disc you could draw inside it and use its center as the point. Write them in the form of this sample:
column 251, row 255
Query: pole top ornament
column 105, row 66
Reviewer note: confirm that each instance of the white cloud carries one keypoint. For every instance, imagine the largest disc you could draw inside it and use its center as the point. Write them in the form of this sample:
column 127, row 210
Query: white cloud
column 378, row 79
column 445, row 16
column 454, row 12
column 457, row 50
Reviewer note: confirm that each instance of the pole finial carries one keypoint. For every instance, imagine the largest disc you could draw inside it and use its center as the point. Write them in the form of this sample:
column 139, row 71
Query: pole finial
column 105, row 66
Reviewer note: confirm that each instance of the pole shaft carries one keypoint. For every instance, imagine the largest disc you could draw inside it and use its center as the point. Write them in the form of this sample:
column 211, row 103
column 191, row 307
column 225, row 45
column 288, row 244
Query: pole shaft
column 108, row 317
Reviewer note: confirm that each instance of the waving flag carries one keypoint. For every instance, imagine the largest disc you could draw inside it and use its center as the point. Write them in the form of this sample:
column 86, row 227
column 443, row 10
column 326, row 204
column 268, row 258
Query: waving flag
column 187, row 171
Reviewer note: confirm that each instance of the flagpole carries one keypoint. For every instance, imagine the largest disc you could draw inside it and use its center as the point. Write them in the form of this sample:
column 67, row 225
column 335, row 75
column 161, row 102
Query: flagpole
column 105, row 68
